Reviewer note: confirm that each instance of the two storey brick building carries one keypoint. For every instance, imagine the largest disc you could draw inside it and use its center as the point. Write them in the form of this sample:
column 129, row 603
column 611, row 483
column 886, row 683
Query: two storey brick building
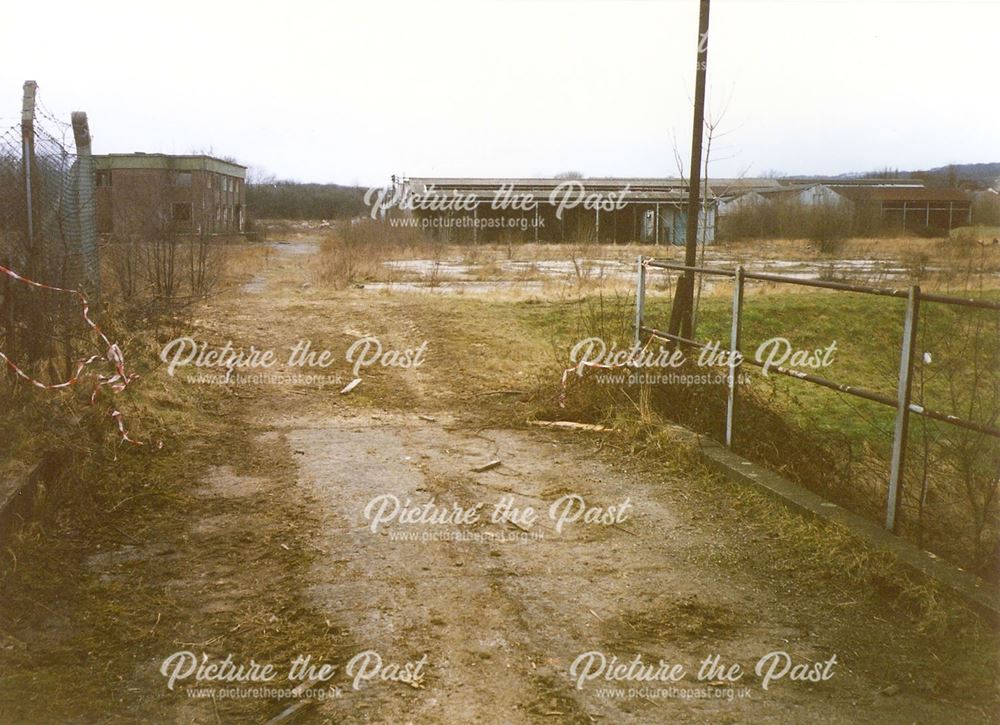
column 147, row 194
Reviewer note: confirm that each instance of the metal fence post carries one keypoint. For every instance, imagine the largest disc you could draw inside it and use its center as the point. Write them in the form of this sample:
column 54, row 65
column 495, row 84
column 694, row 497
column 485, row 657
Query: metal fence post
column 901, row 430
column 640, row 298
column 34, row 342
column 734, row 348
column 28, row 163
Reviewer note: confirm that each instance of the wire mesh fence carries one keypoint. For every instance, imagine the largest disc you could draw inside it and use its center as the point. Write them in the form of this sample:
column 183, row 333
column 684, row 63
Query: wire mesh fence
column 47, row 236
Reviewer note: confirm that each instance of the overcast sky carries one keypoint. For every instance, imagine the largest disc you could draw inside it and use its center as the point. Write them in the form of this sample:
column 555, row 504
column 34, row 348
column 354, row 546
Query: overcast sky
column 353, row 92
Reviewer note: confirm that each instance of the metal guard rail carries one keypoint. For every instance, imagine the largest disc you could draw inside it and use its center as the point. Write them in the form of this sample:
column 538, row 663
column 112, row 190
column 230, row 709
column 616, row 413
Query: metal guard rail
column 902, row 403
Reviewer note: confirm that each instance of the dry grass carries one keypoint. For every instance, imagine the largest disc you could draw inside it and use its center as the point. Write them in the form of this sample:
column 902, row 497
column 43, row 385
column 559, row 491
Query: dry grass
column 481, row 347
column 242, row 261
column 356, row 251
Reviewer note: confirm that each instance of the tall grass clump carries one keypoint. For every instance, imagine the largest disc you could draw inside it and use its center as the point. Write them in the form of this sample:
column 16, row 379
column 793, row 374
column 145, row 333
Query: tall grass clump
column 355, row 251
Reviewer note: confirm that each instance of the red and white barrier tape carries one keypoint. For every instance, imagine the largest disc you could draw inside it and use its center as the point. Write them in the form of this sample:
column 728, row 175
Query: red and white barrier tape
column 117, row 382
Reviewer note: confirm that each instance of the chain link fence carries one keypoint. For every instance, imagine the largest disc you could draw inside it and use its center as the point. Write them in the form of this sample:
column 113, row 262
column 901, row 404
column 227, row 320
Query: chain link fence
column 47, row 236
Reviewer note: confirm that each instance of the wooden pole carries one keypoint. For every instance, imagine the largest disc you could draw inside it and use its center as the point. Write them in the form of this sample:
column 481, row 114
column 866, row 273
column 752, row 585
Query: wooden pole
column 680, row 315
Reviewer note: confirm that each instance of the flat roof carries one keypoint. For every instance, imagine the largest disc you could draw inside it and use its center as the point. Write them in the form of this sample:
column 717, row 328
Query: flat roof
column 179, row 162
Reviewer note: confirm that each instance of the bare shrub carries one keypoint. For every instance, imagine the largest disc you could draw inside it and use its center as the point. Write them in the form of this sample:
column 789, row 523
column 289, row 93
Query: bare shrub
column 154, row 265
column 355, row 251
column 986, row 209
column 165, row 270
column 828, row 224
column 916, row 263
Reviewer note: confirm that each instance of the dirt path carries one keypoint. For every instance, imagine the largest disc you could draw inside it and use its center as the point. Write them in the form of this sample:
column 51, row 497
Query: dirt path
column 261, row 547
column 501, row 613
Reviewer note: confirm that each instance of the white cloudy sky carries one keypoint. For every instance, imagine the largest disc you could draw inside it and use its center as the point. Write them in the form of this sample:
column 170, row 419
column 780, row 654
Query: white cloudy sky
column 352, row 92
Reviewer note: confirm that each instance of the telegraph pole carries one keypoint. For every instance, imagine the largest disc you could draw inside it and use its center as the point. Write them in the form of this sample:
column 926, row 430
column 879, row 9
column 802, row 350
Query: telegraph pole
column 683, row 307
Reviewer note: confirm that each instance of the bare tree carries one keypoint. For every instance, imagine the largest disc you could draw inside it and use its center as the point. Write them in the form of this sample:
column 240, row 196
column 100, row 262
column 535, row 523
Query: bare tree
column 713, row 122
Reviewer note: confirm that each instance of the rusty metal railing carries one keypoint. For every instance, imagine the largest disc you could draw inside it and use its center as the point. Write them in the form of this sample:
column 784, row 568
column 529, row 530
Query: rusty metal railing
column 902, row 401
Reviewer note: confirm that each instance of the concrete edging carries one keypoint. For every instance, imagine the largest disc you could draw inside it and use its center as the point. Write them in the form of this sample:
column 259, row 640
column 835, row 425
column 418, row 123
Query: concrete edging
column 969, row 588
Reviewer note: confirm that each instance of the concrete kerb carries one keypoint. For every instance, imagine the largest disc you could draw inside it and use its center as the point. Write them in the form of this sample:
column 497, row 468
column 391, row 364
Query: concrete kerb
column 969, row 588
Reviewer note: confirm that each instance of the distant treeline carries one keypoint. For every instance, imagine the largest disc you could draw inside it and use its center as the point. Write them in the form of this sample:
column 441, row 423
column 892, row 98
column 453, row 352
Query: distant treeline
column 292, row 200
column 955, row 176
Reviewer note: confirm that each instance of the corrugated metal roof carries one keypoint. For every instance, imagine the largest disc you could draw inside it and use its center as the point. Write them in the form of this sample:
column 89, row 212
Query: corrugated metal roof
column 833, row 181
column 647, row 189
column 545, row 182
column 745, row 183
column 639, row 189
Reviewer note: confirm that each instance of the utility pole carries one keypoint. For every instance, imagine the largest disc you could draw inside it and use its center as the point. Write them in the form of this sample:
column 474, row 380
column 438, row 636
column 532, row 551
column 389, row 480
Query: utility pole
column 683, row 307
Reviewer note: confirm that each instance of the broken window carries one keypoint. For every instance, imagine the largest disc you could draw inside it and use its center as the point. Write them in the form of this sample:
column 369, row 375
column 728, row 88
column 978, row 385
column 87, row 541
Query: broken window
column 104, row 178
column 181, row 212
